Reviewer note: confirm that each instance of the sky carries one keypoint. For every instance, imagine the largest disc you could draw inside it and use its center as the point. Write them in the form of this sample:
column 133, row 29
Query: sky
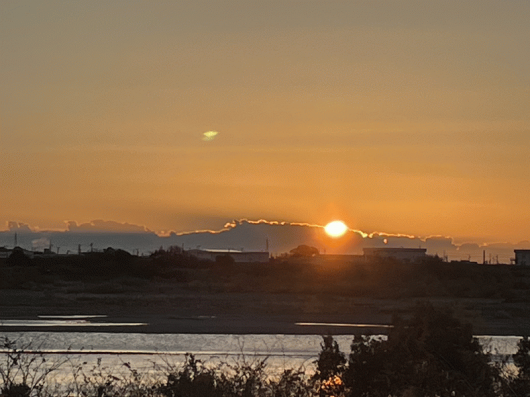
column 394, row 116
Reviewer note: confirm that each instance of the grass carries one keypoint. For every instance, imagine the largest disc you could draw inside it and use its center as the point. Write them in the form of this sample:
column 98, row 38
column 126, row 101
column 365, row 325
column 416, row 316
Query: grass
column 24, row 373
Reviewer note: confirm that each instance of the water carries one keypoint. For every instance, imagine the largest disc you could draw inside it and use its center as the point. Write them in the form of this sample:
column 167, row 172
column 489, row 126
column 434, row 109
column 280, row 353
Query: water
column 156, row 353
column 95, row 357
column 285, row 346
column 103, row 343
column 294, row 349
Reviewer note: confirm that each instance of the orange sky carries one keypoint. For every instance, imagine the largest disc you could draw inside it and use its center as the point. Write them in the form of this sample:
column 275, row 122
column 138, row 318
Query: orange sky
column 403, row 117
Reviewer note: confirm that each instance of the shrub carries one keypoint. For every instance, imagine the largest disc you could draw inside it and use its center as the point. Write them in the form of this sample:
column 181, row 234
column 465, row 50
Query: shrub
column 430, row 354
column 520, row 384
column 23, row 374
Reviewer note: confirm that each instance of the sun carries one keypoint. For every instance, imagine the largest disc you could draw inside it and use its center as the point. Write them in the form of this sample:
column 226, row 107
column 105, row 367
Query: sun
column 336, row 229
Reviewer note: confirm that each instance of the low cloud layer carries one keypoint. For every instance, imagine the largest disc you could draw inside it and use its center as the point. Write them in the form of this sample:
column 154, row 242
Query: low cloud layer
column 99, row 225
column 248, row 235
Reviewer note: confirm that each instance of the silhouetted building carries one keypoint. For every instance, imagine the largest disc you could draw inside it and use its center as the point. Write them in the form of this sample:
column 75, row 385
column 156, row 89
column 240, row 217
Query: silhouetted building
column 522, row 257
column 238, row 256
column 400, row 254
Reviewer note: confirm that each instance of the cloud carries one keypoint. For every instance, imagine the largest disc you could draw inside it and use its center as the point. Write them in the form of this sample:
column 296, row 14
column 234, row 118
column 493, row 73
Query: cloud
column 282, row 236
column 249, row 235
column 18, row 227
column 105, row 226
column 40, row 244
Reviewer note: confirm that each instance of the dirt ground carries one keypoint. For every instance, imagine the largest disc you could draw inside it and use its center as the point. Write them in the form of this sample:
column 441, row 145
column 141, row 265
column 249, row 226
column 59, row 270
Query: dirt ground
column 172, row 309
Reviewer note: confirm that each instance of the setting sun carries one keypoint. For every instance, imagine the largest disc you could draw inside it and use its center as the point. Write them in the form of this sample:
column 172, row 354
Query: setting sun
column 336, row 228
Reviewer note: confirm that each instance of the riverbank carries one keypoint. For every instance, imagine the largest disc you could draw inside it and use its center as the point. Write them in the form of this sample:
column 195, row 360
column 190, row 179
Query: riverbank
column 166, row 308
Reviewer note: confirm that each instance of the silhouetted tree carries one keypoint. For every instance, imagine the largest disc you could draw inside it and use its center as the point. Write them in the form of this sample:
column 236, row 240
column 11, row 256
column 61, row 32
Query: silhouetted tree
column 304, row 251
column 18, row 258
column 431, row 354
column 520, row 385
column 174, row 256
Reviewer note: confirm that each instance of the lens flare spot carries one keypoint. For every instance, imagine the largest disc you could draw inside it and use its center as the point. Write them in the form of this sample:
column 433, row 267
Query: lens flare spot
column 209, row 135
column 335, row 229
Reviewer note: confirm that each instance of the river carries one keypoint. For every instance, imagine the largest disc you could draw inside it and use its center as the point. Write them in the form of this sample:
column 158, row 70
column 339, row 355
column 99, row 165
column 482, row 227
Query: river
column 279, row 350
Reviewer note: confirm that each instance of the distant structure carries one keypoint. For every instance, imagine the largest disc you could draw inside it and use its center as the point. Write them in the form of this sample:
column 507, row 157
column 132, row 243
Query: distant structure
column 237, row 256
column 522, row 257
column 400, row 254
column 5, row 252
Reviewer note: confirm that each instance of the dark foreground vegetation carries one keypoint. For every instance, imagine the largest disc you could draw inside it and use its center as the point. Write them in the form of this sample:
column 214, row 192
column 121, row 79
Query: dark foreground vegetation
column 386, row 279
column 429, row 354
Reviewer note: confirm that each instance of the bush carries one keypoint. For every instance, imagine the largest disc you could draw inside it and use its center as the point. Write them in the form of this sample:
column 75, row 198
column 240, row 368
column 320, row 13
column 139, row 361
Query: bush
column 18, row 258
column 23, row 374
column 330, row 360
column 520, row 384
column 430, row 354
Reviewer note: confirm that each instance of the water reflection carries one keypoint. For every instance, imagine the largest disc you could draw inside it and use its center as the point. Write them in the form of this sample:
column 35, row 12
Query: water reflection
column 74, row 316
column 346, row 325
column 64, row 323
column 144, row 350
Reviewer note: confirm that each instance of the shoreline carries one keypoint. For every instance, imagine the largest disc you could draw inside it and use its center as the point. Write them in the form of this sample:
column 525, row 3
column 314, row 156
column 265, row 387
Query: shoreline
column 179, row 311
column 286, row 325
column 251, row 325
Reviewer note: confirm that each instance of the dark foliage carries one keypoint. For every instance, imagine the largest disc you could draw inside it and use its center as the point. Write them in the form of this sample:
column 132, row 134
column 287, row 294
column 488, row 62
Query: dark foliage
column 520, row 384
column 18, row 258
column 303, row 273
column 330, row 368
column 194, row 380
column 304, row 251
column 430, row 354
column 16, row 390
column 522, row 358
column 331, row 361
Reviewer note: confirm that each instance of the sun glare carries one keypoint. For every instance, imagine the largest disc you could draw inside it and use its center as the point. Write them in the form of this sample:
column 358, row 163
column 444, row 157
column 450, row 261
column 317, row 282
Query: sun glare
column 336, row 229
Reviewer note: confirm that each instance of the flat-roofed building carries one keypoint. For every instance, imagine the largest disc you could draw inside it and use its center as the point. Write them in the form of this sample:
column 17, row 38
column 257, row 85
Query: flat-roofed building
column 522, row 257
column 400, row 254
column 238, row 256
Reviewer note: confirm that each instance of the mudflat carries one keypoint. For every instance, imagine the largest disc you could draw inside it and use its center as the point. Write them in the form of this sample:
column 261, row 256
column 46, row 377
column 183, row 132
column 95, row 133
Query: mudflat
column 167, row 308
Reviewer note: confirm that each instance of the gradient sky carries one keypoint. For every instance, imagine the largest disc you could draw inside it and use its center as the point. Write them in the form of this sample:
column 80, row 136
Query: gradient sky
column 395, row 116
